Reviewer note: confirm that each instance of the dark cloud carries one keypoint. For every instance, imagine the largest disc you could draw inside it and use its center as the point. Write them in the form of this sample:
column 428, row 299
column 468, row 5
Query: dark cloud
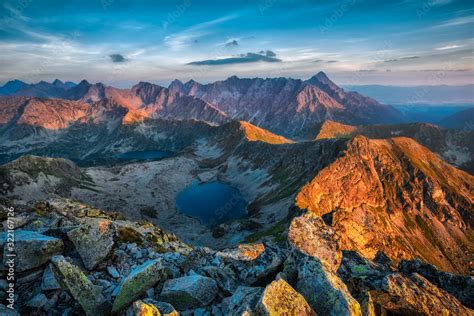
column 240, row 59
column 410, row 57
column 269, row 53
column 366, row 70
column 331, row 61
column 117, row 58
column 318, row 61
column 403, row 58
column 232, row 43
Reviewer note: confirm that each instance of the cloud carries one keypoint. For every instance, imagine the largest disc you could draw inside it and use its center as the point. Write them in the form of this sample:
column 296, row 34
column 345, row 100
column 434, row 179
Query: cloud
column 268, row 57
column 318, row 61
column 331, row 61
column 449, row 47
column 400, row 59
column 457, row 21
column 117, row 58
column 181, row 40
column 232, row 43
column 269, row 53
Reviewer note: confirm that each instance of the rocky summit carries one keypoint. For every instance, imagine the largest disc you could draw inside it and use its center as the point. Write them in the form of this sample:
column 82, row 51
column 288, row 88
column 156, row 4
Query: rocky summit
column 240, row 197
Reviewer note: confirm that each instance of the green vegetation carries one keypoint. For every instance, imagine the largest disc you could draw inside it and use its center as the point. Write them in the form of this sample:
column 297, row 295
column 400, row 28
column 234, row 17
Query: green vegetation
column 277, row 232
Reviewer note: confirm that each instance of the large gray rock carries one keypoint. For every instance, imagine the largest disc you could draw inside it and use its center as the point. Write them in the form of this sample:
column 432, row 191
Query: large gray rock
column 225, row 278
column 93, row 241
column 80, row 287
column 32, row 249
column 138, row 281
column 243, row 301
column 189, row 292
column 279, row 298
column 49, row 281
column 324, row 290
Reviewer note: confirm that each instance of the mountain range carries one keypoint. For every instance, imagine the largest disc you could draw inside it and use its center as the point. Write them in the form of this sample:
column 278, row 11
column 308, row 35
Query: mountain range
column 282, row 105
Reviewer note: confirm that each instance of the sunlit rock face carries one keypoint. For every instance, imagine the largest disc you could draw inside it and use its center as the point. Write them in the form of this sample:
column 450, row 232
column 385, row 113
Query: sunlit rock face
column 395, row 196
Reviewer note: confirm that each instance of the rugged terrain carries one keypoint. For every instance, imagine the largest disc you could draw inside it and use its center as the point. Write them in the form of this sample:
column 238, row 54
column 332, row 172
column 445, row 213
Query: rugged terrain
column 454, row 146
column 72, row 259
column 341, row 219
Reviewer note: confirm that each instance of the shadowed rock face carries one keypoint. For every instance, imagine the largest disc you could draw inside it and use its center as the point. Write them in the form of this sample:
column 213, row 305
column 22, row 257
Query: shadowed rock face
column 396, row 196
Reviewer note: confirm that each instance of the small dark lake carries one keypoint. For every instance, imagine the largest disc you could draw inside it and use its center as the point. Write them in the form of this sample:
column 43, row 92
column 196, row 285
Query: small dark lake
column 145, row 155
column 212, row 203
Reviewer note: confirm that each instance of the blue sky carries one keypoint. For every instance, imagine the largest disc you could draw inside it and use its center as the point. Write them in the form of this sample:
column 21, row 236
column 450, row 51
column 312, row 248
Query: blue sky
column 403, row 42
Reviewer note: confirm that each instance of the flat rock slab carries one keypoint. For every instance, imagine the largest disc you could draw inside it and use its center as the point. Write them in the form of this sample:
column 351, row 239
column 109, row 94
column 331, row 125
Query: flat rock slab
column 138, row 281
column 32, row 249
column 189, row 292
column 93, row 241
column 243, row 301
column 80, row 287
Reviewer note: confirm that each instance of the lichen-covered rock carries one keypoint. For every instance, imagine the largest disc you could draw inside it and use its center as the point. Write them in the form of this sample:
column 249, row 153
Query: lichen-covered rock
column 32, row 249
column 93, row 241
column 378, row 286
column 255, row 264
column 416, row 295
column 140, row 308
column 309, row 234
column 323, row 289
column 243, row 301
column 80, row 287
column 460, row 286
column 279, row 298
column 137, row 282
column 151, row 306
column 189, row 291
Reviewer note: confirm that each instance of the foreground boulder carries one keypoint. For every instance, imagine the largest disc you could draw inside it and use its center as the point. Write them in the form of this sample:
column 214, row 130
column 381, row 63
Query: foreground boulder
column 94, row 241
column 189, row 292
column 32, row 249
column 140, row 308
column 137, row 282
column 380, row 287
column 279, row 298
column 459, row 286
column 80, row 287
column 243, row 301
column 256, row 264
column 309, row 234
column 323, row 289
column 415, row 295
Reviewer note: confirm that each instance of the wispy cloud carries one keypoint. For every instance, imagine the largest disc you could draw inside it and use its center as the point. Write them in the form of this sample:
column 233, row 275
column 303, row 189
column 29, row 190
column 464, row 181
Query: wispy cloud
column 457, row 21
column 401, row 59
column 268, row 57
column 181, row 40
column 449, row 47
